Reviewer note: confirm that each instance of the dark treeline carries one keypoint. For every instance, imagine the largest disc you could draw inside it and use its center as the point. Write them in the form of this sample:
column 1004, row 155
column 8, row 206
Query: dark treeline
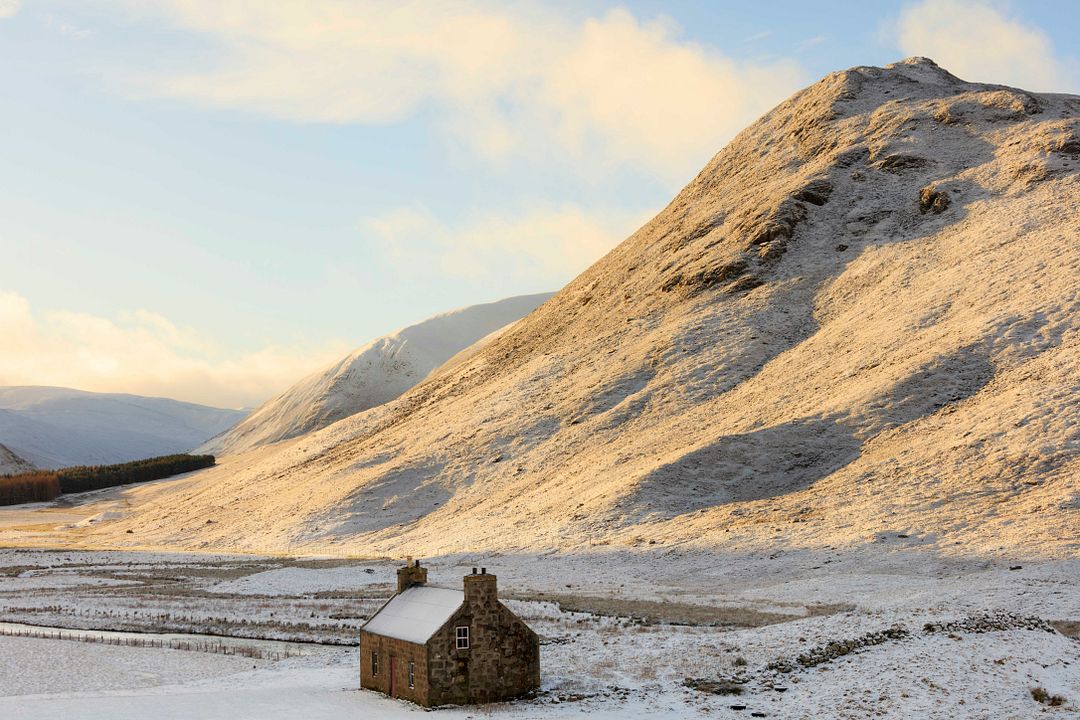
column 46, row 485
column 95, row 477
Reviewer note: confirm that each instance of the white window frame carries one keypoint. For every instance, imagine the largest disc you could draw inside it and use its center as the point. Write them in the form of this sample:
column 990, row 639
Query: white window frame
column 374, row 663
column 461, row 637
column 412, row 674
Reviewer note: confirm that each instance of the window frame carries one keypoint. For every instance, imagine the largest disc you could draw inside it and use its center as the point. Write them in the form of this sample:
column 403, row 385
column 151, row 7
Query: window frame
column 412, row 674
column 459, row 636
column 374, row 663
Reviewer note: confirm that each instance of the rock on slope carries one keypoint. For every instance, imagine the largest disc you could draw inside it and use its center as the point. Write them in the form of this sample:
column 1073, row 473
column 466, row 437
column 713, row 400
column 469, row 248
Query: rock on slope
column 372, row 375
column 11, row 464
column 57, row 427
column 857, row 324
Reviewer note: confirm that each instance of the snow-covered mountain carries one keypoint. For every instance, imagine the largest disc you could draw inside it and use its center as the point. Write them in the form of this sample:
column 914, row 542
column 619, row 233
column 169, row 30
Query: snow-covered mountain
column 860, row 323
column 10, row 463
column 53, row 427
column 371, row 375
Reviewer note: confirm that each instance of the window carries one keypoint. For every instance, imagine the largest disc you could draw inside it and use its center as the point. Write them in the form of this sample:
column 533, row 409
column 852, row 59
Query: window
column 374, row 663
column 412, row 674
column 463, row 637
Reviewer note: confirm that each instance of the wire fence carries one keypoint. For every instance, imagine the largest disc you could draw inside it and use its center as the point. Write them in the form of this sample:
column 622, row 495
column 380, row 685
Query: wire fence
column 216, row 647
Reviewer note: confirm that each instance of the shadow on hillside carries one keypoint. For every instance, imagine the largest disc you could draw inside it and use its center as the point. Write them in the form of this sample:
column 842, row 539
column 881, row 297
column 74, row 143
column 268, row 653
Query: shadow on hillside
column 944, row 380
column 793, row 456
column 751, row 466
column 401, row 496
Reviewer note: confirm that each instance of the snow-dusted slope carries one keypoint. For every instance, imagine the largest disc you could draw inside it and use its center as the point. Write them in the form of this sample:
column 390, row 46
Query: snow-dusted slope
column 54, row 427
column 372, row 375
column 859, row 323
column 10, row 463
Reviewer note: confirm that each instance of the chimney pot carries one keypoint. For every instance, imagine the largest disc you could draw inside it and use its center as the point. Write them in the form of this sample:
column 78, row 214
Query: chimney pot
column 411, row 574
column 480, row 589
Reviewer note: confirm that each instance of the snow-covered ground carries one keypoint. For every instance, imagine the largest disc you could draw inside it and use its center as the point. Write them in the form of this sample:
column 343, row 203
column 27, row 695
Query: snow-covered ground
column 615, row 643
column 980, row 676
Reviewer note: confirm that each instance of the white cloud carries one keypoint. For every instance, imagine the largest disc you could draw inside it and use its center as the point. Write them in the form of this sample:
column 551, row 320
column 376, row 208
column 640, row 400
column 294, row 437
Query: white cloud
column 142, row 353
column 9, row 8
column 645, row 97
column 510, row 81
column 542, row 247
column 978, row 41
column 73, row 31
column 811, row 42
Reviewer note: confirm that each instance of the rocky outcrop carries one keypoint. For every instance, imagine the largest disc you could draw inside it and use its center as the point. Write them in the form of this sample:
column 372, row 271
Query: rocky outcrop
column 932, row 200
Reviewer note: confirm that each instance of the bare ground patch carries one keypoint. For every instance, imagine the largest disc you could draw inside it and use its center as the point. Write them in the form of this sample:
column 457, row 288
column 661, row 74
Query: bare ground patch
column 678, row 613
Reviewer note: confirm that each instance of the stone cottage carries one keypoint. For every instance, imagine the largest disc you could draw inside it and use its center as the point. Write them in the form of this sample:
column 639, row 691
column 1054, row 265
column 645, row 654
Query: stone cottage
column 441, row 646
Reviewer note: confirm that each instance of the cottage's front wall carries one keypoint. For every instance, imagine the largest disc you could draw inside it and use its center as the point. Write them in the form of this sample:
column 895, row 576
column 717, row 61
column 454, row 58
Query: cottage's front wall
column 403, row 653
column 502, row 662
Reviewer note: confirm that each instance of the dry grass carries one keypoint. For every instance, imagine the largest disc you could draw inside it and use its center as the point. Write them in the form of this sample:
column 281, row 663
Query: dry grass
column 1040, row 695
column 1068, row 628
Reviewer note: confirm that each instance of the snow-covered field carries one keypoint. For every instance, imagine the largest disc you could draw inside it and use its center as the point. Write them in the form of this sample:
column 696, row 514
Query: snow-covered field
column 621, row 633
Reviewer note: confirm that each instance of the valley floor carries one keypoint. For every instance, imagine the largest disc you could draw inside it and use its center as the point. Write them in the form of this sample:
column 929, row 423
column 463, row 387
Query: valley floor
column 883, row 632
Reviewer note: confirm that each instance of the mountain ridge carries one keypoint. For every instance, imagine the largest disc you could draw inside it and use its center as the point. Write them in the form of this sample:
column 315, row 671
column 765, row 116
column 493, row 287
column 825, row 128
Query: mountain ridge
column 371, row 375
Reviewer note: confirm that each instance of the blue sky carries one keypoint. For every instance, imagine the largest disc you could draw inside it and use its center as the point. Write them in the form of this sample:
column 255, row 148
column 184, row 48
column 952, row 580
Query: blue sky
column 207, row 199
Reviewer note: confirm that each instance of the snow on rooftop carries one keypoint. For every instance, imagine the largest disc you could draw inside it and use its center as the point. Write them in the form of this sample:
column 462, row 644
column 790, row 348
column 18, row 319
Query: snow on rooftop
column 415, row 615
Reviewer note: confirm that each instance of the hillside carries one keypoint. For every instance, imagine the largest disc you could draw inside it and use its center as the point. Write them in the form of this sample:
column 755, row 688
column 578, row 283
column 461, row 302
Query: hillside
column 371, row 375
column 54, row 427
column 858, row 324
column 10, row 463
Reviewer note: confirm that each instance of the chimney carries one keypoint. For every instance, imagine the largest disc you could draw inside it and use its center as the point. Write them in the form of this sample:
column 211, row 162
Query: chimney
column 411, row 574
column 480, row 590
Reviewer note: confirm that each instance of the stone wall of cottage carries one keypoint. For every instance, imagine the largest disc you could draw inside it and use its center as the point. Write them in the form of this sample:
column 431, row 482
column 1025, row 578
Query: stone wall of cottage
column 403, row 653
column 502, row 662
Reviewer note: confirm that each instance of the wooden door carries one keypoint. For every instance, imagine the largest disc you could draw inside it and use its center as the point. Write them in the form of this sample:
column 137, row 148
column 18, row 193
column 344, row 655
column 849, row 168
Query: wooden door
column 393, row 675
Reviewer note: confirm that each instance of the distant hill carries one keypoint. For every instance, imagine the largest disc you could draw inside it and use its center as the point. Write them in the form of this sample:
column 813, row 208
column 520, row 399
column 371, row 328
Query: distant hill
column 51, row 427
column 371, row 375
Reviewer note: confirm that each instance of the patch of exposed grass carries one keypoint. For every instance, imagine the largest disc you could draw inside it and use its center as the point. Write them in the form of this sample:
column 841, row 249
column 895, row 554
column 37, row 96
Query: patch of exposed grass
column 1068, row 628
column 715, row 687
column 677, row 613
column 1040, row 695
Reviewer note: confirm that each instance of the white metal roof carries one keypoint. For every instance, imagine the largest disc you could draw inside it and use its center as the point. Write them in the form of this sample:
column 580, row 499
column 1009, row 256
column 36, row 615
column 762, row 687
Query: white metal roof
column 415, row 615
